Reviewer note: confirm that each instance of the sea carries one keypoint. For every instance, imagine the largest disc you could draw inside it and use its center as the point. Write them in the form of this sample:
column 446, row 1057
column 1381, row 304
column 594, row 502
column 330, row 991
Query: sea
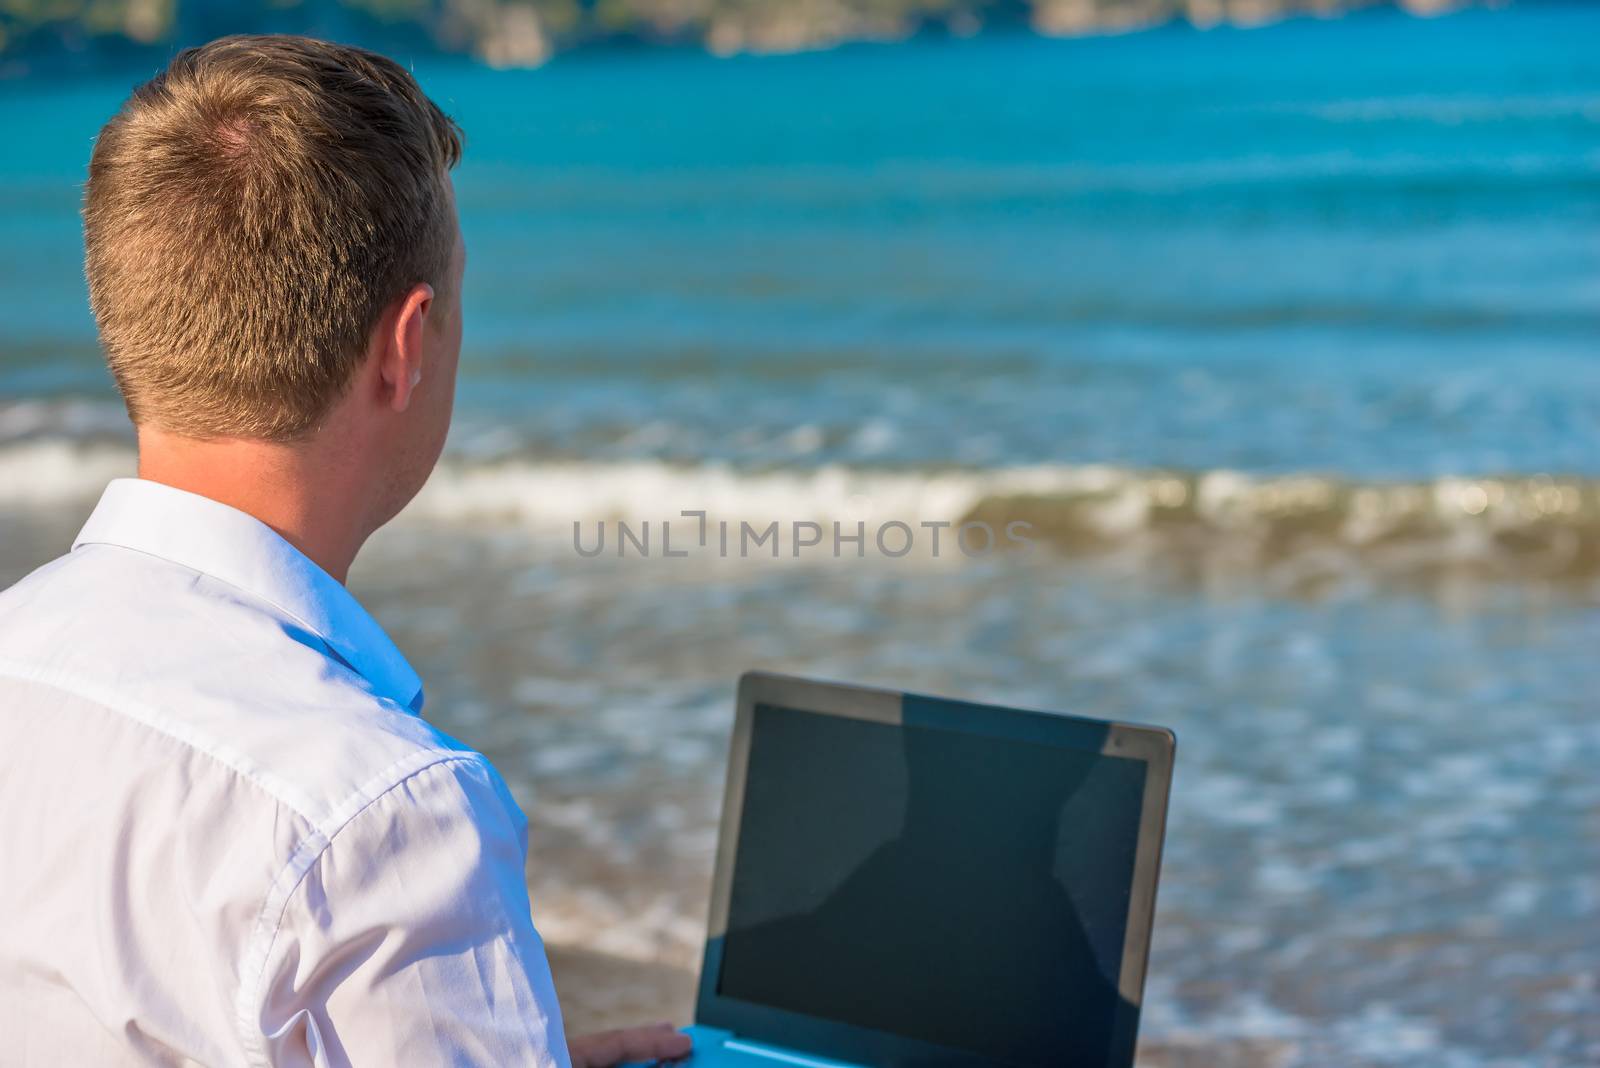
column 1250, row 376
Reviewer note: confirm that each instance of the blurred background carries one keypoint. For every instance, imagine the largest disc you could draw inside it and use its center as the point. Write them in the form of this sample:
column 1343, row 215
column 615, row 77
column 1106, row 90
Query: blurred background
column 1278, row 320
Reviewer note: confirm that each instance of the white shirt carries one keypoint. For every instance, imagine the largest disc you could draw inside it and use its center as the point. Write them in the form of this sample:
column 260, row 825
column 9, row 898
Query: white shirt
column 226, row 836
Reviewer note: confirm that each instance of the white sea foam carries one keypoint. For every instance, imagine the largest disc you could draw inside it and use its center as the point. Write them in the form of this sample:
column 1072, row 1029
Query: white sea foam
column 59, row 471
column 644, row 490
column 1304, row 525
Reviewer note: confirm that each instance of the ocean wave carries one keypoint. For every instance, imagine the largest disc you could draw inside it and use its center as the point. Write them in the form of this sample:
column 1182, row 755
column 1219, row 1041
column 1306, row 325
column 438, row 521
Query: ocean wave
column 1515, row 526
column 59, row 471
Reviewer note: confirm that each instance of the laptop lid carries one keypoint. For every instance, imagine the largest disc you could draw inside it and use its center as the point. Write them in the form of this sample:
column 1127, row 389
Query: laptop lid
column 908, row 880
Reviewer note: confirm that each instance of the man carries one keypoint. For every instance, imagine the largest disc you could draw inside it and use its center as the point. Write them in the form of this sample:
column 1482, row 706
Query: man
column 227, row 835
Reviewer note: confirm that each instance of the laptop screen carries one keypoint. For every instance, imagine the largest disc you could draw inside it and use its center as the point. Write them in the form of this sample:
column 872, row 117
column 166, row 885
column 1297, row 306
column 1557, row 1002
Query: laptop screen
column 967, row 891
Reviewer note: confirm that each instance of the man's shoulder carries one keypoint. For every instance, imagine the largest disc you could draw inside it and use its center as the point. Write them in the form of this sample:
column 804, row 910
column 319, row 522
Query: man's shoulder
column 217, row 671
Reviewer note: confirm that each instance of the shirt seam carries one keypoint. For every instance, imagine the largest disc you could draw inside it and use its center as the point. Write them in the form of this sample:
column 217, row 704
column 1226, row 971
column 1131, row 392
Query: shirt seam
column 256, row 595
column 307, row 854
column 278, row 789
column 197, row 572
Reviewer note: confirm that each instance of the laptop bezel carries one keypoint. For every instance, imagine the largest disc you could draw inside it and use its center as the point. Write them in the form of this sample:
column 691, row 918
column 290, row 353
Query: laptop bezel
column 846, row 1042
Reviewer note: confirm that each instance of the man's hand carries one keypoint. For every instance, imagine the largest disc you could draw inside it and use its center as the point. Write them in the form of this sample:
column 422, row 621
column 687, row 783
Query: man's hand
column 657, row 1042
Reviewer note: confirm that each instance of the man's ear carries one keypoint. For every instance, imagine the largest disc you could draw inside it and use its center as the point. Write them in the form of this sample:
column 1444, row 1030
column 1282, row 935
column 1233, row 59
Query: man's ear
column 400, row 357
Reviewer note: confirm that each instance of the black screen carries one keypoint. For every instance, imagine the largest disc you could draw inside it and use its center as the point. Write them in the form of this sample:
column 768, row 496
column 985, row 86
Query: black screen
column 967, row 891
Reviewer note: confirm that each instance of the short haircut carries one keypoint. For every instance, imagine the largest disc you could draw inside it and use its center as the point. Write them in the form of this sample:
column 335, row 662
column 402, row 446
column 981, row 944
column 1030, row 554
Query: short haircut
column 250, row 213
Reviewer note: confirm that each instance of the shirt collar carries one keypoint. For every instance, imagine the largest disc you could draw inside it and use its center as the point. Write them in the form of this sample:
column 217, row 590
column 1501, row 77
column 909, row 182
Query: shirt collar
column 240, row 550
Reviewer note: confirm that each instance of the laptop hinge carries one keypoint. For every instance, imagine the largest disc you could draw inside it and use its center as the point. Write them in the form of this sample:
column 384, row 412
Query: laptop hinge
column 782, row 1056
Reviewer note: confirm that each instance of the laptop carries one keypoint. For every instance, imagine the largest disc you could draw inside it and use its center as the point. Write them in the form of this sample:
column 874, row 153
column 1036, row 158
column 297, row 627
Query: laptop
column 906, row 880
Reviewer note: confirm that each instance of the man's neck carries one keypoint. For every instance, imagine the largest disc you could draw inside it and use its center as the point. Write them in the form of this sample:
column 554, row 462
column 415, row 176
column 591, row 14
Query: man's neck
column 306, row 496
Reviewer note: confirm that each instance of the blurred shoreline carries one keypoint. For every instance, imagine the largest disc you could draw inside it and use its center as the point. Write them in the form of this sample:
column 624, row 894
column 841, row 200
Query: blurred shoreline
column 35, row 39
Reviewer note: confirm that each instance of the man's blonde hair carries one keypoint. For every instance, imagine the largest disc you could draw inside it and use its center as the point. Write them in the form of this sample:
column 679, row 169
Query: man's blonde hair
column 250, row 213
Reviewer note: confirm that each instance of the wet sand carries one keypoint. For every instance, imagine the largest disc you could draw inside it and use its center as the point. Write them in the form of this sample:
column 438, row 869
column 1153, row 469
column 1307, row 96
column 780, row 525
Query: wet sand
column 1381, row 846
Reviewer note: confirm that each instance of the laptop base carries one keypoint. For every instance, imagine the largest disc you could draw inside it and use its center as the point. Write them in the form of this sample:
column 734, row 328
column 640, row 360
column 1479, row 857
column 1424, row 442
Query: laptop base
column 716, row 1048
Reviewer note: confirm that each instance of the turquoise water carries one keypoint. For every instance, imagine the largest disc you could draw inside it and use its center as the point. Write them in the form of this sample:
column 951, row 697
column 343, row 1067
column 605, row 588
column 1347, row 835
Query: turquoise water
column 1287, row 341
column 1368, row 246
